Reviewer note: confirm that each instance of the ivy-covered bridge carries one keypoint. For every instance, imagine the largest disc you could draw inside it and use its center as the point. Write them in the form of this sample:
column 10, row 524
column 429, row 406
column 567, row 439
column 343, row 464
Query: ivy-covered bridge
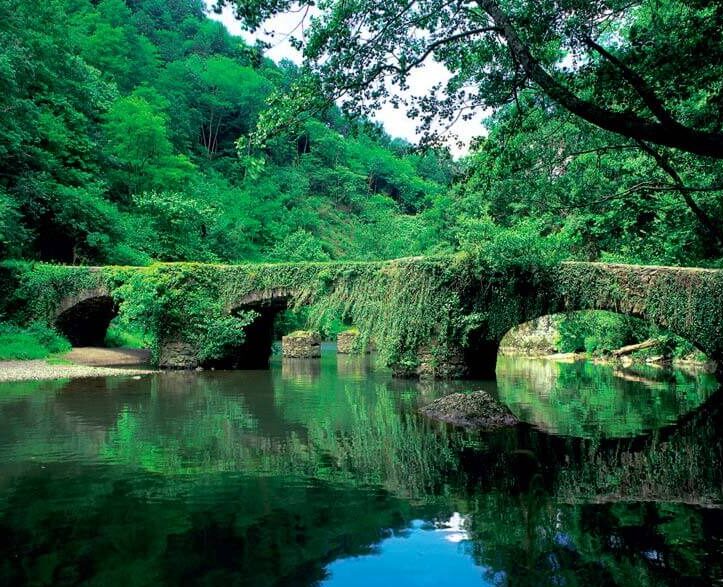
column 429, row 317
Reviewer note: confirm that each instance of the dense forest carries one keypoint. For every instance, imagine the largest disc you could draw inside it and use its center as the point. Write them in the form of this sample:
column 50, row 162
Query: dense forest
column 136, row 131
column 127, row 136
column 124, row 138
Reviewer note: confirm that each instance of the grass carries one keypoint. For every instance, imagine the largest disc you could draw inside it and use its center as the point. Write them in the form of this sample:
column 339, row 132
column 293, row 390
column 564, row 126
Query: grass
column 120, row 337
column 36, row 341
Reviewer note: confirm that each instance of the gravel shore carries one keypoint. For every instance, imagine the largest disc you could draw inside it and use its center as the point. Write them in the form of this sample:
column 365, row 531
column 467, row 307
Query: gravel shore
column 37, row 370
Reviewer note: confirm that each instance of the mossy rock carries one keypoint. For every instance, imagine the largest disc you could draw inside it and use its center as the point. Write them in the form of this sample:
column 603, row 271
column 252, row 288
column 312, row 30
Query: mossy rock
column 349, row 342
column 471, row 410
column 301, row 344
column 303, row 334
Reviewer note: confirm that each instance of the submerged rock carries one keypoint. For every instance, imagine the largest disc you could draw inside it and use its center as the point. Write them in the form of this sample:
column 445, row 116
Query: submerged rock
column 471, row 410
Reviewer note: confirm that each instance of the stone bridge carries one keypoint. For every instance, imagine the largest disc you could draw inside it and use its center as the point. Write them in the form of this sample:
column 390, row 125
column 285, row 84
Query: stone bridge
column 429, row 317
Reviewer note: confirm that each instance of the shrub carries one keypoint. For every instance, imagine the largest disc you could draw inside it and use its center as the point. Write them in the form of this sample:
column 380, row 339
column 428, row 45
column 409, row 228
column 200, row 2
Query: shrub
column 598, row 332
column 123, row 337
column 37, row 341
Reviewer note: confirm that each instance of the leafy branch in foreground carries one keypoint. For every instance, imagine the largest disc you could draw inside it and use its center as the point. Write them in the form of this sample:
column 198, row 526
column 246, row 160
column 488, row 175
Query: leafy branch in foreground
column 602, row 60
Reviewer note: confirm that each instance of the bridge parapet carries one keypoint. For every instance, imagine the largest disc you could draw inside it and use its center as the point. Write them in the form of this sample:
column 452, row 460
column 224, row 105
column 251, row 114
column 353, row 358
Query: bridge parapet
column 429, row 317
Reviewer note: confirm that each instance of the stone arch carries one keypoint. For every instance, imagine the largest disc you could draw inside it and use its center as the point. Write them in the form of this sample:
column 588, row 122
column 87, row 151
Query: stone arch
column 256, row 351
column 687, row 302
column 84, row 317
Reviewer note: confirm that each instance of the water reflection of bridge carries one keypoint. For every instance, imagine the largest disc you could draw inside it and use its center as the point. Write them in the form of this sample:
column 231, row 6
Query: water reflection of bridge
column 322, row 466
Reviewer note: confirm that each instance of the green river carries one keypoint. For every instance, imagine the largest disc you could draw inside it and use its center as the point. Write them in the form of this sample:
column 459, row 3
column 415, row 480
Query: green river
column 323, row 473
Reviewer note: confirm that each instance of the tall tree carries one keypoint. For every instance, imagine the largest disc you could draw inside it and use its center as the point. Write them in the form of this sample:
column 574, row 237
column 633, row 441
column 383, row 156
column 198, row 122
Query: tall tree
column 626, row 67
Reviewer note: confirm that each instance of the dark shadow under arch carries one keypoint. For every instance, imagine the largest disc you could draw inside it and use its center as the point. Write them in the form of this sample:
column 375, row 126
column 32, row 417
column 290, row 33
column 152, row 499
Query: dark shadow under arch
column 255, row 352
column 86, row 321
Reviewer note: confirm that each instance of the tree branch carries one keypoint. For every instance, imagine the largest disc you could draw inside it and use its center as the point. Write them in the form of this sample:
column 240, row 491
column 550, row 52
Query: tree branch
column 626, row 124
column 665, row 165
column 439, row 42
column 638, row 84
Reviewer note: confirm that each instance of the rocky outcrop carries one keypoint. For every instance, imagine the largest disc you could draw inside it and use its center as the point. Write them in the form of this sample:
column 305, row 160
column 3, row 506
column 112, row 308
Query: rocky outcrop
column 472, row 410
column 349, row 343
column 301, row 345
column 534, row 338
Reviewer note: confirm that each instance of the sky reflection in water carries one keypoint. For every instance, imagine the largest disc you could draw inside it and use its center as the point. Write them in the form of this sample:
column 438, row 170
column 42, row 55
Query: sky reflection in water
column 324, row 474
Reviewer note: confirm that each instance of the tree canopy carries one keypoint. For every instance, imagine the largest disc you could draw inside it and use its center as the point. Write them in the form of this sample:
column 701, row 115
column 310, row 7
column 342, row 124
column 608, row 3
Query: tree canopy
column 647, row 70
column 135, row 130
column 125, row 137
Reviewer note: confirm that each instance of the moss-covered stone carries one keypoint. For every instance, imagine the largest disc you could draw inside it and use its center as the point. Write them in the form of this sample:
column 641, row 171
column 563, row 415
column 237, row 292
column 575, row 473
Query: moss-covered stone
column 472, row 410
column 428, row 317
column 301, row 345
column 178, row 355
column 350, row 342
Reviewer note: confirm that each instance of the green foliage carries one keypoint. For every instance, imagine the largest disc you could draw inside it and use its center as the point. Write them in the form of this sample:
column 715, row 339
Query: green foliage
column 172, row 226
column 603, row 62
column 132, row 133
column 130, row 338
column 138, row 144
column 299, row 246
column 598, row 332
column 36, row 341
column 126, row 138
column 182, row 302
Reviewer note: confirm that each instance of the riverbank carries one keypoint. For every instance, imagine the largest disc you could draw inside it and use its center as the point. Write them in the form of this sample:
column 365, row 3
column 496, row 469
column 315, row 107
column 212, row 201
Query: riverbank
column 685, row 364
column 79, row 363
column 38, row 370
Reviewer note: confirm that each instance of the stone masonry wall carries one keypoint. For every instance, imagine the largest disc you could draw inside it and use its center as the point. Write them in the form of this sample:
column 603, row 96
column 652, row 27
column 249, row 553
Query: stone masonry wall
column 301, row 345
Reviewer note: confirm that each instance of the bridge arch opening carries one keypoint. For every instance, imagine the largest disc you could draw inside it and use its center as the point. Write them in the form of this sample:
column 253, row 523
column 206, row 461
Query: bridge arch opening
column 84, row 320
column 582, row 332
column 599, row 333
column 257, row 348
column 598, row 374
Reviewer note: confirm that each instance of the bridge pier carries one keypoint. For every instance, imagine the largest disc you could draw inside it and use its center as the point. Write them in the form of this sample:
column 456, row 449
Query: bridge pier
column 433, row 361
column 481, row 360
column 177, row 354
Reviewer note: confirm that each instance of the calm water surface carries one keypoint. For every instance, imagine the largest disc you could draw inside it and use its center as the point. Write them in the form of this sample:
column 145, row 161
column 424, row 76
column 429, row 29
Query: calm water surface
column 323, row 473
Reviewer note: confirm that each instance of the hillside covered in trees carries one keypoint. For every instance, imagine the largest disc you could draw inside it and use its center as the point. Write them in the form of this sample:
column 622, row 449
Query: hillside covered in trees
column 124, row 138
column 127, row 136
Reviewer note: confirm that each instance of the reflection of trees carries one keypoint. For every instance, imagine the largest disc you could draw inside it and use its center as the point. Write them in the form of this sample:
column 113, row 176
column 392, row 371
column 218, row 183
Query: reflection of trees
column 587, row 400
column 684, row 464
column 532, row 541
column 355, row 440
column 197, row 492
column 183, row 424
column 105, row 528
column 251, row 479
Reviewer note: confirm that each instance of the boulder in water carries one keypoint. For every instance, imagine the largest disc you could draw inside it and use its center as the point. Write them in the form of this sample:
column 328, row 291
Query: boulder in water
column 471, row 410
column 301, row 344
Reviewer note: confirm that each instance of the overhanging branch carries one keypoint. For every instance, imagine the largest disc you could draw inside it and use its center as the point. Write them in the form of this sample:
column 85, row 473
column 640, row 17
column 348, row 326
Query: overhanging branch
column 626, row 124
